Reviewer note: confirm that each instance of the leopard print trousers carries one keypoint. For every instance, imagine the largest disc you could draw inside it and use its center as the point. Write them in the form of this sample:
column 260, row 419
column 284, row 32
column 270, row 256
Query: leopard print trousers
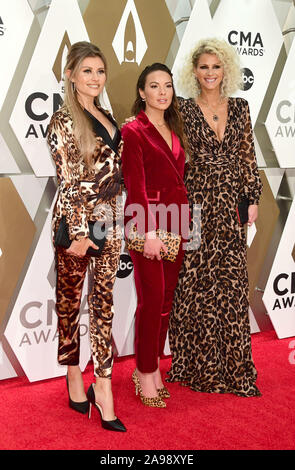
column 71, row 271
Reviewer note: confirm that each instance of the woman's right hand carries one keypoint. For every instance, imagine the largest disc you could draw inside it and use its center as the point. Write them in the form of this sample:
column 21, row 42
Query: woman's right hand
column 152, row 248
column 80, row 247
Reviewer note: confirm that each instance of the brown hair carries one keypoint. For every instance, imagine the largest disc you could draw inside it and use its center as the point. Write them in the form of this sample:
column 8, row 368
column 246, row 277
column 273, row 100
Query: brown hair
column 172, row 115
column 83, row 130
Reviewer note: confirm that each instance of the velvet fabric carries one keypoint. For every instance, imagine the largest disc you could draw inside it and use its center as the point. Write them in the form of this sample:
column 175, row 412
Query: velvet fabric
column 155, row 282
column 153, row 175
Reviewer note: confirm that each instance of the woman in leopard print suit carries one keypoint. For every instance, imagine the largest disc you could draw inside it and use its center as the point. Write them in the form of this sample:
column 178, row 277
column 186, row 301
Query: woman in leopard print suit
column 86, row 147
column 209, row 326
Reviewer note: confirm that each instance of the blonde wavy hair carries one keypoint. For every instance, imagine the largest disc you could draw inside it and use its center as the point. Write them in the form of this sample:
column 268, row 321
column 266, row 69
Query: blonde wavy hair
column 82, row 127
column 232, row 79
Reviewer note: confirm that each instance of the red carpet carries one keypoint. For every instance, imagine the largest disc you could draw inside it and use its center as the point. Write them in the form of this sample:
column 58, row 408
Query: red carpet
column 36, row 415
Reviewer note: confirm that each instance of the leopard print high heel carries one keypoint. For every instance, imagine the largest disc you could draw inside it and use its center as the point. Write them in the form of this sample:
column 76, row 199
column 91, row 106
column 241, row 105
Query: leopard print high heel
column 163, row 392
column 155, row 402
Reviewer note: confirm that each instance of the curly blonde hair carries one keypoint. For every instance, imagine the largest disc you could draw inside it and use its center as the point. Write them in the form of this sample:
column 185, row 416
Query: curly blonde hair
column 232, row 79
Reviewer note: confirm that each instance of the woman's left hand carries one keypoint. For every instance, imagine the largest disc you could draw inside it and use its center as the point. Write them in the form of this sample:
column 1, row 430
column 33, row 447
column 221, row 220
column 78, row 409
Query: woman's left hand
column 153, row 246
column 252, row 214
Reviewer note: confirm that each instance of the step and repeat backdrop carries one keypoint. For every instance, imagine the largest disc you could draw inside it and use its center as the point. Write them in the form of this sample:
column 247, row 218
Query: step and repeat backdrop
column 35, row 36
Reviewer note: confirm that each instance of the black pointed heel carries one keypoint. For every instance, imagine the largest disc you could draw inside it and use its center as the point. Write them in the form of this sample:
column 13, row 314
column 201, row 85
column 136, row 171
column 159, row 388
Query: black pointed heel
column 113, row 425
column 81, row 406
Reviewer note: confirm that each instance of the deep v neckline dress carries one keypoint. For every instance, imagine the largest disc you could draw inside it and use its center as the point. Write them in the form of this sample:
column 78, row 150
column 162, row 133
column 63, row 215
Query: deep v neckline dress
column 209, row 328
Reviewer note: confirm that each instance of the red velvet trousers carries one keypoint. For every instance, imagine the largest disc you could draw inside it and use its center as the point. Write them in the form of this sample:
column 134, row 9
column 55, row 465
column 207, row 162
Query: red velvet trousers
column 155, row 282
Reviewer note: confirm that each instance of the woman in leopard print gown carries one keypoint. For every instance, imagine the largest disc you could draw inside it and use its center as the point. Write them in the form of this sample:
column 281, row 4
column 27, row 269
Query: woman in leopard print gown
column 209, row 329
column 86, row 146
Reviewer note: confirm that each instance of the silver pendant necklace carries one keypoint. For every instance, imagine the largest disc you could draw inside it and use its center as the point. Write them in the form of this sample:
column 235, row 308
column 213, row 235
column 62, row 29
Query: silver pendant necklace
column 215, row 117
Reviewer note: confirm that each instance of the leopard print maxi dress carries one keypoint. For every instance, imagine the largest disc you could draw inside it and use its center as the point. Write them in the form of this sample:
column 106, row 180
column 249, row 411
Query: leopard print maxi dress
column 209, row 330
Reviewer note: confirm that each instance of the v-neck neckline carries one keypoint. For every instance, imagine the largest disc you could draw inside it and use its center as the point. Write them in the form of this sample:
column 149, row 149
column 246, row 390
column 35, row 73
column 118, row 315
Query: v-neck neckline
column 220, row 142
column 171, row 132
column 100, row 130
column 101, row 124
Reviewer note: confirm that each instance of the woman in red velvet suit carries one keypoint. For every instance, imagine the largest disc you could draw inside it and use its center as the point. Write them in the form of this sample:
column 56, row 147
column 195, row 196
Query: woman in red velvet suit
column 153, row 162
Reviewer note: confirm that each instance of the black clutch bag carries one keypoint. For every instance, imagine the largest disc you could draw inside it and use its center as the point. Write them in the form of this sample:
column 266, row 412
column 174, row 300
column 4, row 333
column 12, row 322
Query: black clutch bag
column 242, row 210
column 97, row 234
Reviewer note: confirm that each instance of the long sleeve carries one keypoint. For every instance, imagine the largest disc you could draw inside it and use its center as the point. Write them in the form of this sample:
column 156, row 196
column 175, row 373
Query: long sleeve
column 62, row 146
column 135, row 181
column 250, row 174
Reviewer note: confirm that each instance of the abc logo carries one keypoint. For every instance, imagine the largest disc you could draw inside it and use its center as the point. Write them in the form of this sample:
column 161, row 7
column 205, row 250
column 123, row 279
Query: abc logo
column 248, row 79
column 125, row 266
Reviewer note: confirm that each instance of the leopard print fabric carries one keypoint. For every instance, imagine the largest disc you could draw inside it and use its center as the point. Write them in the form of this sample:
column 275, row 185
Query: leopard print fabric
column 136, row 241
column 209, row 328
column 85, row 195
column 102, row 275
column 80, row 190
column 71, row 271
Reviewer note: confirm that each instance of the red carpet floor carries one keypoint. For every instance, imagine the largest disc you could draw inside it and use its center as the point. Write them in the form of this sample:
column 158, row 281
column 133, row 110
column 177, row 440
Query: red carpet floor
column 36, row 415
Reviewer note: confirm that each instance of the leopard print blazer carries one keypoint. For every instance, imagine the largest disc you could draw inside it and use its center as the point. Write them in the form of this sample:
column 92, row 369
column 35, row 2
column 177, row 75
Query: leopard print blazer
column 80, row 190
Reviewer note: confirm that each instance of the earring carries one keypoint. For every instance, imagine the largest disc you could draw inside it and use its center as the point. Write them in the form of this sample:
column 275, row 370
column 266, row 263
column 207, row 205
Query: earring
column 142, row 99
column 73, row 87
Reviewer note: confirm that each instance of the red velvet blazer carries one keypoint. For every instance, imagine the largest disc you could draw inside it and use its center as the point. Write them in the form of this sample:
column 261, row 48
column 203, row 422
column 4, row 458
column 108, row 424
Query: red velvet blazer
column 153, row 176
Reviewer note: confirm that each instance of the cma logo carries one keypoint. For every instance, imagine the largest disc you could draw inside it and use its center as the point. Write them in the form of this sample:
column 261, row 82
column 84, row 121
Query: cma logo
column 39, row 321
column 2, row 28
column 37, row 102
column 246, row 43
column 34, row 112
column 282, row 286
column 285, row 113
column 129, row 41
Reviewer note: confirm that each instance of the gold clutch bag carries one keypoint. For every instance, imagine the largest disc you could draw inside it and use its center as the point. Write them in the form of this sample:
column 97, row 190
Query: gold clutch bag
column 135, row 241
